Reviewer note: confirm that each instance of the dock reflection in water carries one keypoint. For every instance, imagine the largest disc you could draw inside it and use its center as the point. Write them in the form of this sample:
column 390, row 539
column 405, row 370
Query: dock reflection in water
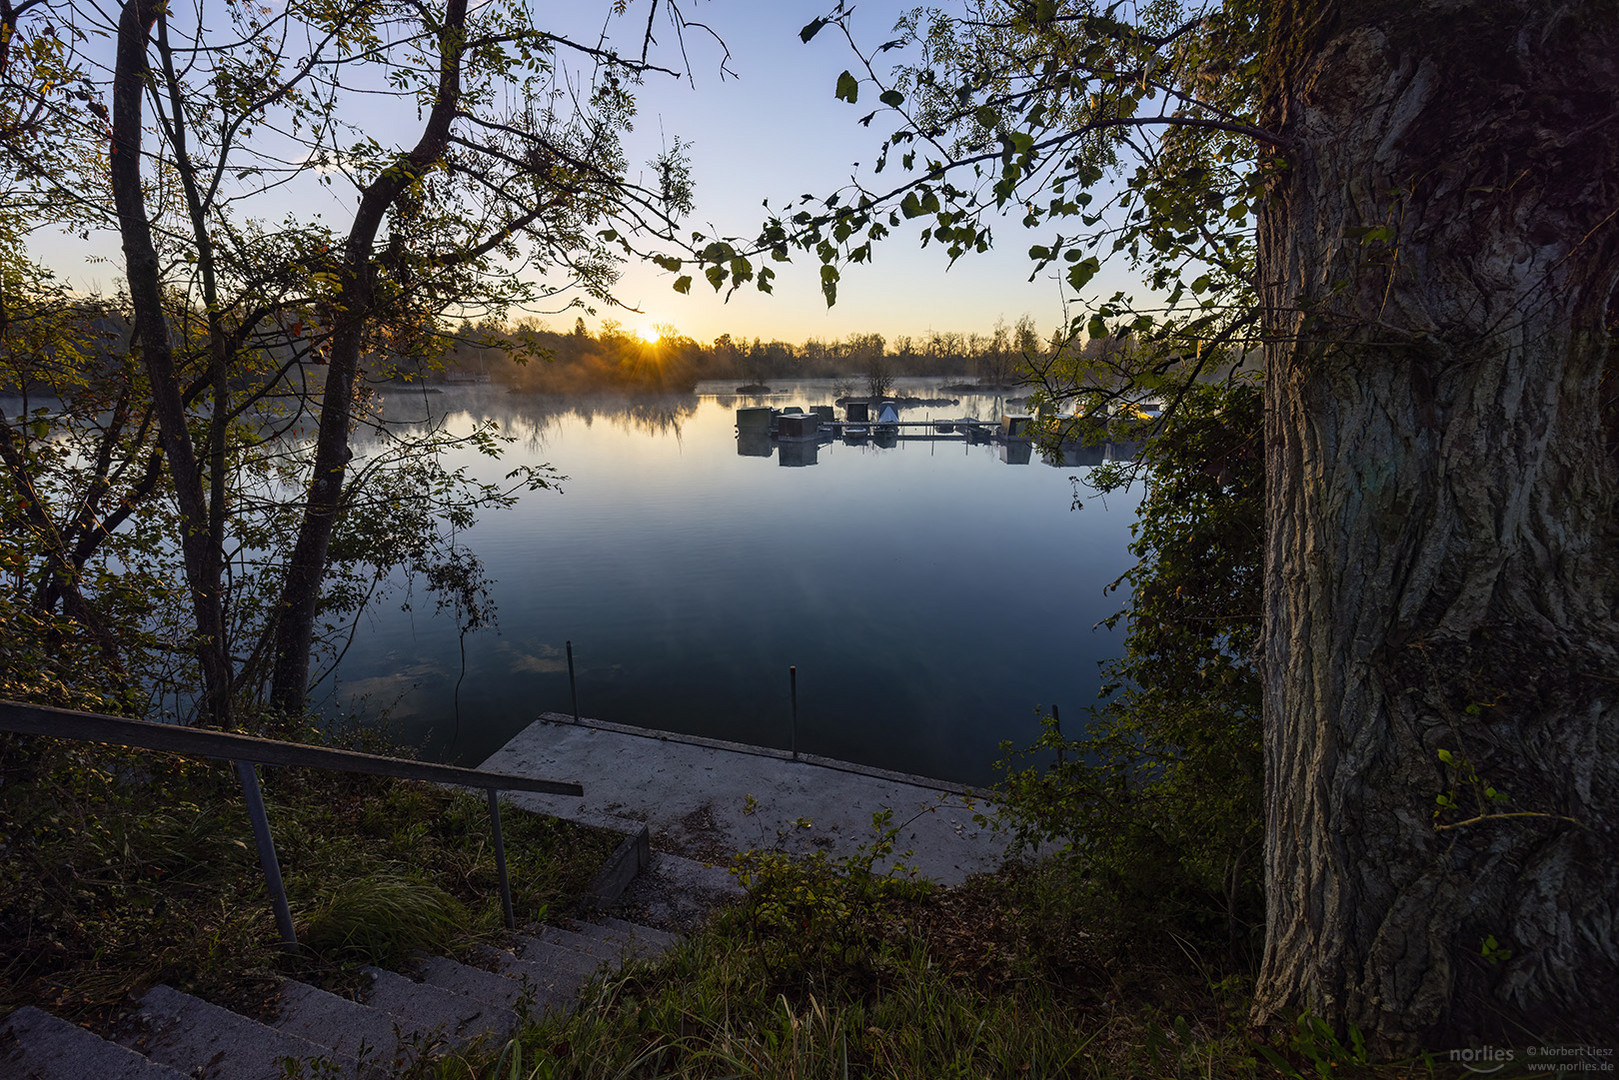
column 799, row 434
column 689, row 573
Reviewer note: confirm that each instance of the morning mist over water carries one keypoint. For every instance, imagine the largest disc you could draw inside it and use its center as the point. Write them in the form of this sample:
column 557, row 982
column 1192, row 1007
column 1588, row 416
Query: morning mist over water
column 931, row 594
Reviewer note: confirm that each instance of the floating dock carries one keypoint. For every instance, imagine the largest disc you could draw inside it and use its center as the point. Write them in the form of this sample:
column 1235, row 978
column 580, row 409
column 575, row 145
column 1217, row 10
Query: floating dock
column 798, row 434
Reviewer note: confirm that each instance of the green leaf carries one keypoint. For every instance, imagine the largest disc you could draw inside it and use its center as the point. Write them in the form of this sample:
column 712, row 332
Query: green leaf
column 987, row 116
column 683, row 284
column 892, row 98
column 811, row 30
column 829, row 284
column 715, row 276
column 1445, row 756
column 1081, row 273
column 848, row 88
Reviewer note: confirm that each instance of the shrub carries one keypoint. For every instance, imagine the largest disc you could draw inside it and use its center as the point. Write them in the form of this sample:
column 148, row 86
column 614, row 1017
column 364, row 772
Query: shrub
column 1156, row 808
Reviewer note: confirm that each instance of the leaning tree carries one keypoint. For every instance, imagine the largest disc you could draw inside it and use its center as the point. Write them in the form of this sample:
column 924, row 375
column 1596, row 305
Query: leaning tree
column 1411, row 212
column 478, row 151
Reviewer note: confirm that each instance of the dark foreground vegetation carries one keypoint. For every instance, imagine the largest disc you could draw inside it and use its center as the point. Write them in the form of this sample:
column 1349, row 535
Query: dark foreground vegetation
column 123, row 869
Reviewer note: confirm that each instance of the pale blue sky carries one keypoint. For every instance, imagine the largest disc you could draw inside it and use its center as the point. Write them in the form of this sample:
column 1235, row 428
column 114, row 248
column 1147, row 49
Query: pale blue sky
column 773, row 131
column 777, row 131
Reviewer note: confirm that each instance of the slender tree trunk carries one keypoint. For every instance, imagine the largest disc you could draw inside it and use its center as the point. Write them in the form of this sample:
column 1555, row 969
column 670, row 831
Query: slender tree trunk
column 355, row 305
column 200, row 547
column 1443, row 522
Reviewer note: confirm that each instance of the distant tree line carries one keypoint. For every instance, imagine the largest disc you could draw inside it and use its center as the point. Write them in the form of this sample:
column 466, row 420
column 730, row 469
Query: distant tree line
column 531, row 357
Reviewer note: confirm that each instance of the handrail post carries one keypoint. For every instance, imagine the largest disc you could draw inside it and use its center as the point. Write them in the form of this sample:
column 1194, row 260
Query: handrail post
column 248, row 774
column 500, row 859
column 573, row 689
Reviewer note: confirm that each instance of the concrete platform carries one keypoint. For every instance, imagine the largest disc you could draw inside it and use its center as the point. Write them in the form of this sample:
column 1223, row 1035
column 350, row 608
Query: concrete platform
column 704, row 799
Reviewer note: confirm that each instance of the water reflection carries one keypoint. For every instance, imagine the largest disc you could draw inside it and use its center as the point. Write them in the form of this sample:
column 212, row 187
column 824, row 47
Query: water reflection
column 929, row 597
column 754, row 444
column 796, row 453
column 532, row 419
column 1016, row 451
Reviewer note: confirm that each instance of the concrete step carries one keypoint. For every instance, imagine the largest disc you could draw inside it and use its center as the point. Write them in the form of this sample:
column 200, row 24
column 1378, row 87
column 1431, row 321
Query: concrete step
column 207, row 1042
column 427, row 1012
column 514, row 993
column 560, row 987
column 644, row 940
column 598, row 947
column 572, row 967
column 34, row 1045
column 370, row 1036
column 174, row 1036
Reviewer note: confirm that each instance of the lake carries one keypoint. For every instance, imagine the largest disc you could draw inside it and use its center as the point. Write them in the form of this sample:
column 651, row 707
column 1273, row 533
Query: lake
column 933, row 595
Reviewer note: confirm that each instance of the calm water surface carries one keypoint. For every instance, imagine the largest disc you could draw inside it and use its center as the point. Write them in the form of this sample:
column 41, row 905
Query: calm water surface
column 932, row 595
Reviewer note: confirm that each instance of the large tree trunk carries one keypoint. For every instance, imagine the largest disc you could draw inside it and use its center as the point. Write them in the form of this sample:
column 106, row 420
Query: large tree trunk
column 1443, row 521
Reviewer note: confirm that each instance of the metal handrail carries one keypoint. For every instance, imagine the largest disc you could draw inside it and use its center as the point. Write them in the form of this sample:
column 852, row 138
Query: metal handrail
column 247, row 752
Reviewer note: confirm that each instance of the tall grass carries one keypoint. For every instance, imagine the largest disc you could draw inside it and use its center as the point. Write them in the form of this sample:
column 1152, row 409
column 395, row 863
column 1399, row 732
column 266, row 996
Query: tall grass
column 122, row 869
column 986, row 980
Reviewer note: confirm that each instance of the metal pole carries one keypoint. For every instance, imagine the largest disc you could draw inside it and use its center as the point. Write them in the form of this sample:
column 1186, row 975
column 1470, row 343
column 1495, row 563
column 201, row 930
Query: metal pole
column 572, row 689
column 500, row 860
column 248, row 774
column 792, row 678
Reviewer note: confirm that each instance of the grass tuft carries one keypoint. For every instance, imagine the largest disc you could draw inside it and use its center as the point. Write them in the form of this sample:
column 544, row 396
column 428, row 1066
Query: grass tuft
column 382, row 918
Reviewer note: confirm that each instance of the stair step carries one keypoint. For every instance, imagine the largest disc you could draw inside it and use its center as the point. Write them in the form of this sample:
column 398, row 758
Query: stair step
column 497, row 990
column 207, row 1042
column 352, row 1030
column 560, row 987
column 572, row 967
column 34, row 1045
column 645, row 940
column 425, row 1010
column 598, row 947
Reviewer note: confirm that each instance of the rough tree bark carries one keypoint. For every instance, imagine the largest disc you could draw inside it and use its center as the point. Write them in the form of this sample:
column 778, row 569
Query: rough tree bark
column 1443, row 552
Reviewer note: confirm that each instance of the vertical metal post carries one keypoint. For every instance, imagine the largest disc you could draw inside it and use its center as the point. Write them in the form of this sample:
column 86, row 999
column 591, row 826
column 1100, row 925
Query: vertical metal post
column 248, row 774
column 792, row 679
column 572, row 689
column 500, row 860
